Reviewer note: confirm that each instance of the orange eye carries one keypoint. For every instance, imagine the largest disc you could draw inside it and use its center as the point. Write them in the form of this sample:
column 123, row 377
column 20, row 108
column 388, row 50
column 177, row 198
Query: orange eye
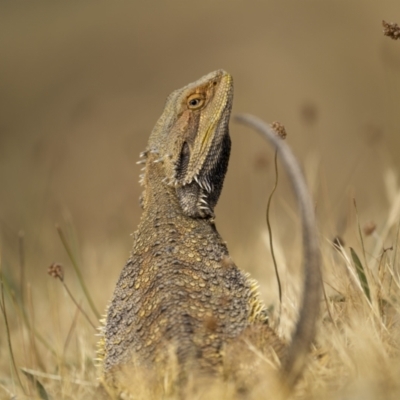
column 195, row 101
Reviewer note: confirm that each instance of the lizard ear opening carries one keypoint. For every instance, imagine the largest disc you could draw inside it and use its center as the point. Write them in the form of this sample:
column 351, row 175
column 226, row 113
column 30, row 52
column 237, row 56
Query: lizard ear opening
column 183, row 162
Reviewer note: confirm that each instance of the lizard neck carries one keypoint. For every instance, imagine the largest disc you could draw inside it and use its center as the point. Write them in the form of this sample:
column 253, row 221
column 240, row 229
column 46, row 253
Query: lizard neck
column 159, row 199
column 163, row 219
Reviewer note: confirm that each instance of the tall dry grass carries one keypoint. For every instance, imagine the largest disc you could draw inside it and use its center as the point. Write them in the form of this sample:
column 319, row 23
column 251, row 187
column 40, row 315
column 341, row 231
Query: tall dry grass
column 47, row 343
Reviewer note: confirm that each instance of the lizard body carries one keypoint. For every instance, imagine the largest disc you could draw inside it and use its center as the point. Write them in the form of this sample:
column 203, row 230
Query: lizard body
column 180, row 288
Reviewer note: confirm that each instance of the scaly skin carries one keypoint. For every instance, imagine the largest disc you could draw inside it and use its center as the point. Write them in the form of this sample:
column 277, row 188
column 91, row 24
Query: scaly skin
column 180, row 289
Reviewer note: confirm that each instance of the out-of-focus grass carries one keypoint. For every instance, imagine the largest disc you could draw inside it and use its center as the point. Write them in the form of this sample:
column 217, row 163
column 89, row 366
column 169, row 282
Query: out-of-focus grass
column 356, row 353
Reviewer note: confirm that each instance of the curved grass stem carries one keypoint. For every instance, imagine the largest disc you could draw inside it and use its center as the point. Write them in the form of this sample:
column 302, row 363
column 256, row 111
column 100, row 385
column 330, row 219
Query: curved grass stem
column 271, row 243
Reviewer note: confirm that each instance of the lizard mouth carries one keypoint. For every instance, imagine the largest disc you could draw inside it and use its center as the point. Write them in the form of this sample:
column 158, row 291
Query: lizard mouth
column 195, row 195
column 182, row 169
column 183, row 162
column 199, row 193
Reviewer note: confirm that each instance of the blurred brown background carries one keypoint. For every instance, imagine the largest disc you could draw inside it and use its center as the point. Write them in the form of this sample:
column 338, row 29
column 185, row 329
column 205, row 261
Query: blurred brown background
column 83, row 83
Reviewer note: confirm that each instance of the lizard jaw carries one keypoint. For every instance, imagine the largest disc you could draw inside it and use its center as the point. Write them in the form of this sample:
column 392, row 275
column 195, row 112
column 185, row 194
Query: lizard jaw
column 194, row 199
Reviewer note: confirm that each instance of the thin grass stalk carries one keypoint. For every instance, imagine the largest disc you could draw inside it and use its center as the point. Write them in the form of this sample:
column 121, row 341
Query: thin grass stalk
column 393, row 215
column 328, row 307
column 394, row 259
column 70, row 331
column 356, row 280
column 56, row 271
column 372, row 297
column 271, row 243
column 20, row 305
column 21, row 248
column 362, row 277
column 381, row 279
column 10, row 394
column 32, row 338
column 78, row 306
column 9, row 344
column 360, row 234
column 23, row 315
column 353, row 274
column 54, row 377
column 78, row 272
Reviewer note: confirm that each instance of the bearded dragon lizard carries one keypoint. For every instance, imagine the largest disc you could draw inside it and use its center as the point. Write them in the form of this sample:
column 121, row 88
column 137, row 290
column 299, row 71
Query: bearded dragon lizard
column 180, row 289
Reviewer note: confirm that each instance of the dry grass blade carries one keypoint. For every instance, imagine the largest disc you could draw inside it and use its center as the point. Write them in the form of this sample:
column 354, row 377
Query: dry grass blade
column 71, row 330
column 54, row 377
column 10, row 348
column 21, row 249
column 78, row 272
column 41, row 391
column 396, row 245
column 309, row 311
column 360, row 234
column 10, row 395
column 23, row 315
column 360, row 273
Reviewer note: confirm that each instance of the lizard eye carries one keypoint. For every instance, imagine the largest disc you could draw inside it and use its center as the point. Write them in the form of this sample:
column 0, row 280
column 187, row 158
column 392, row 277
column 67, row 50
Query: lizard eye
column 195, row 101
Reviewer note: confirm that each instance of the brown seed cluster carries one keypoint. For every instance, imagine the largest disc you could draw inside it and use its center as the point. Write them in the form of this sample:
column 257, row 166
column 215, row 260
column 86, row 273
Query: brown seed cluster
column 279, row 129
column 391, row 29
column 56, row 271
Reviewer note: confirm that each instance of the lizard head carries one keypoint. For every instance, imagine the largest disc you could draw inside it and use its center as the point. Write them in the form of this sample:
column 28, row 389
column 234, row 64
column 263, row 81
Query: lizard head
column 191, row 142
